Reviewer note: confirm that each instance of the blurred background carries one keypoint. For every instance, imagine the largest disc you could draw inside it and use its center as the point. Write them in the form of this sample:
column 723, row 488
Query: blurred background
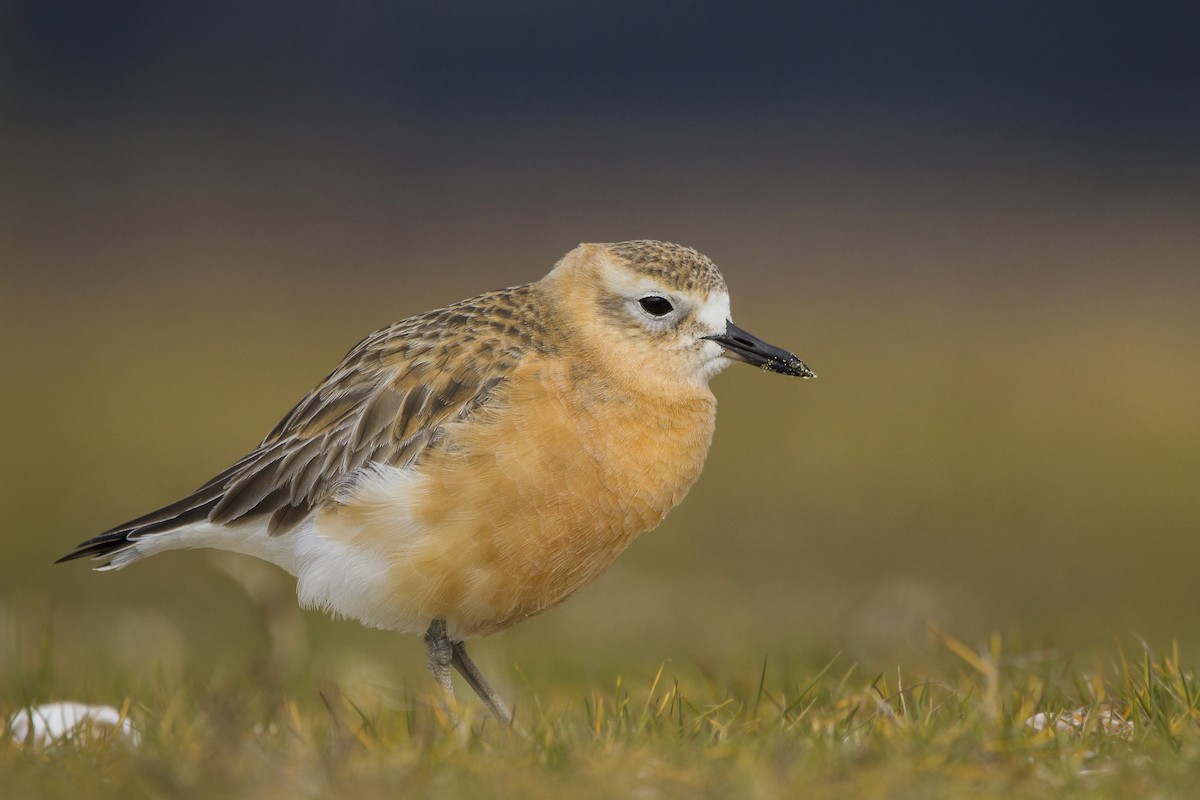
column 978, row 222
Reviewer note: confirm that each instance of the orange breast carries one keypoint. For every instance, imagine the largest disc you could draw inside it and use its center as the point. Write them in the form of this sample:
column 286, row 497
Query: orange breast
column 534, row 499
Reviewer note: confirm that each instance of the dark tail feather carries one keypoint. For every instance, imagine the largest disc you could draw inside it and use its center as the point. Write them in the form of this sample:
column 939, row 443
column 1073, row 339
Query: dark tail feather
column 98, row 547
column 190, row 510
column 247, row 489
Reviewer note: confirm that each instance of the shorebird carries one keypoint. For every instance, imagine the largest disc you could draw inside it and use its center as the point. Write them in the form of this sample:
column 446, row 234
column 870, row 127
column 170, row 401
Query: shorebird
column 470, row 467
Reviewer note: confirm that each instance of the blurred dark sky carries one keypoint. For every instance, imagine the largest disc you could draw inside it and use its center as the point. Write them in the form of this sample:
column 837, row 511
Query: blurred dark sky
column 250, row 124
column 1118, row 69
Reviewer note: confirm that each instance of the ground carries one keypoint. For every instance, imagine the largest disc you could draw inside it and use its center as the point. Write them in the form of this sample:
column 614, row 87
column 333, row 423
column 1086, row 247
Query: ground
column 985, row 723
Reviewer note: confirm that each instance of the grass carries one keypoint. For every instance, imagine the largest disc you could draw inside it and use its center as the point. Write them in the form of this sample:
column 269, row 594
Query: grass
column 1128, row 726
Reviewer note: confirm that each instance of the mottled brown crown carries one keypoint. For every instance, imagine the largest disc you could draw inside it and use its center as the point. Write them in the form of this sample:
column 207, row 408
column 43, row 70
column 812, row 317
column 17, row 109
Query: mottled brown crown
column 676, row 265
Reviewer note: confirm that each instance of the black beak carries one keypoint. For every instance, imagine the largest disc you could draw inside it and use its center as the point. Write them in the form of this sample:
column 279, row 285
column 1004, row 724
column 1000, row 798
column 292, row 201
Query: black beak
column 742, row 346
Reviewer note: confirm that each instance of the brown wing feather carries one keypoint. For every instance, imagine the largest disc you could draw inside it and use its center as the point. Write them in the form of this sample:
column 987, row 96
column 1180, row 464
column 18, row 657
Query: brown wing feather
column 385, row 403
column 387, row 413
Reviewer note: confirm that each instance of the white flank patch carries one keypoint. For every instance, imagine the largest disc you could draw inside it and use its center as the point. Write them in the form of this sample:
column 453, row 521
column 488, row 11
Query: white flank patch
column 344, row 570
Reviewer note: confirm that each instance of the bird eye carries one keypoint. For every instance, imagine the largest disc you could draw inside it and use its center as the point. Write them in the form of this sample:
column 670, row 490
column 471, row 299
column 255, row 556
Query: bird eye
column 656, row 306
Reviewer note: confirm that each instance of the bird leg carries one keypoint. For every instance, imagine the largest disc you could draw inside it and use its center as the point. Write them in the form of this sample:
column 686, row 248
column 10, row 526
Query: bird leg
column 442, row 652
column 471, row 674
column 439, row 651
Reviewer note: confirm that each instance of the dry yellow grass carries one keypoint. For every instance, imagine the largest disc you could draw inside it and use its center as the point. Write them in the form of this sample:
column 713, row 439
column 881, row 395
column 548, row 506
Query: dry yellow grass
column 1126, row 727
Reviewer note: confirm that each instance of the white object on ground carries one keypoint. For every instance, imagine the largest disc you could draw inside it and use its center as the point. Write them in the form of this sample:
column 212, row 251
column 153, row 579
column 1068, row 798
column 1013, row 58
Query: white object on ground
column 49, row 724
column 1105, row 720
